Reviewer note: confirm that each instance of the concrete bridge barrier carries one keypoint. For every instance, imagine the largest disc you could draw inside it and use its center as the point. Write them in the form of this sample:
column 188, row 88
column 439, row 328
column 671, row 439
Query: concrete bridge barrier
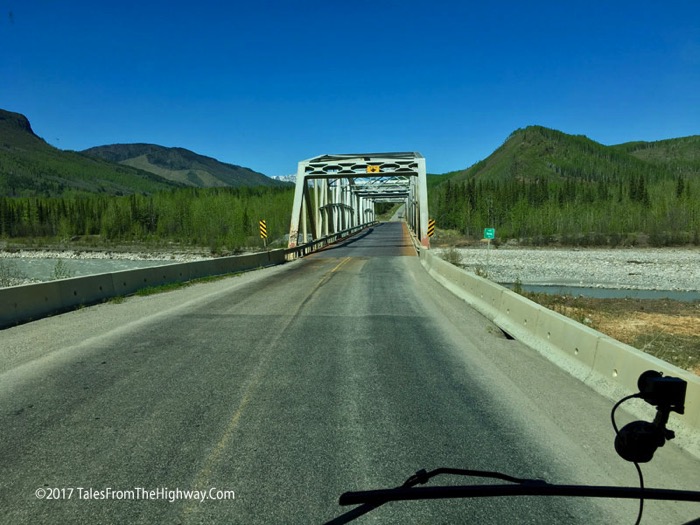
column 20, row 304
column 33, row 301
column 607, row 365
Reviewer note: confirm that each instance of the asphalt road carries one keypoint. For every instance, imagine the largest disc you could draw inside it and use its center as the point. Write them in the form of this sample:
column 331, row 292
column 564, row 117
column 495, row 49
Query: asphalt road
column 347, row 370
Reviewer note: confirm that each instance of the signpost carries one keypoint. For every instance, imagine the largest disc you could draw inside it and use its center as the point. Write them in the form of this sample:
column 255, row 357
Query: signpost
column 489, row 233
column 263, row 231
column 431, row 227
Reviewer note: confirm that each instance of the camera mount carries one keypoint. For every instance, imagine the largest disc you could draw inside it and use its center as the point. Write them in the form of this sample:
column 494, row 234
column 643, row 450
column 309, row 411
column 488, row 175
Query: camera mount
column 637, row 441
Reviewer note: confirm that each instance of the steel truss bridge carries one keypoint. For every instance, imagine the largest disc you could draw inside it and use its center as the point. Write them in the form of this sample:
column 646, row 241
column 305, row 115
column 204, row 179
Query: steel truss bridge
column 338, row 192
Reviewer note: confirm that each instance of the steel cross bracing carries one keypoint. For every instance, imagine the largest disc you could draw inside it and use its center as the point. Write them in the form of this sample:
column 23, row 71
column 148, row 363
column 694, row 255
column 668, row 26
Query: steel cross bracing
column 337, row 192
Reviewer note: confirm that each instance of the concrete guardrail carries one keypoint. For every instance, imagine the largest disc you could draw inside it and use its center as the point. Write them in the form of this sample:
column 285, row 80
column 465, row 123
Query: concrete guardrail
column 607, row 365
column 21, row 304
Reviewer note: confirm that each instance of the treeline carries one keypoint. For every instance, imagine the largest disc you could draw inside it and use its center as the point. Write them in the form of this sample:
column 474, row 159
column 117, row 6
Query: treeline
column 573, row 211
column 46, row 172
column 218, row 218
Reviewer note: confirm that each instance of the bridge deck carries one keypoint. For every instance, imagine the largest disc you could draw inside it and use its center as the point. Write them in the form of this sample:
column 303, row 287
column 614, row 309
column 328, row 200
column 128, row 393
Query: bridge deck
column 346, row 370
column 387, row 239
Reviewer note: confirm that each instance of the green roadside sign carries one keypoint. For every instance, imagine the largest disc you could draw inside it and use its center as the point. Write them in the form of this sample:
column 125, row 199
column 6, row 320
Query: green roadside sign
column 489, row 233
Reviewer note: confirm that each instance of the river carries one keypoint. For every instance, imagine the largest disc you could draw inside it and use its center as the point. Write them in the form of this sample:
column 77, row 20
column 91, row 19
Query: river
column 609, row 293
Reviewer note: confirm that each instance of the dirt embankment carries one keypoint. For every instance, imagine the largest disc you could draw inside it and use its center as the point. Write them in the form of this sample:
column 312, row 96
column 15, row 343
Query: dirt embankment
column 669, row 330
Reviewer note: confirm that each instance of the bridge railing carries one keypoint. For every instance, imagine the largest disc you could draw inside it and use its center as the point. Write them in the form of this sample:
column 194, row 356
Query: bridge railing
column 317, row 244
column 610, row 367
column 24, row 303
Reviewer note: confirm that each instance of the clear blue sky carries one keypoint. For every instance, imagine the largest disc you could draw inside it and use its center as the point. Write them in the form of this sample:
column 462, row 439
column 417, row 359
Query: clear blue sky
column 266, row 83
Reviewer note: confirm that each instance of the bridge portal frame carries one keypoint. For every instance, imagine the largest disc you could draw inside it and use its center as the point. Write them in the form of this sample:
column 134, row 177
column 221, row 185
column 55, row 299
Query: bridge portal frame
column 337, row 192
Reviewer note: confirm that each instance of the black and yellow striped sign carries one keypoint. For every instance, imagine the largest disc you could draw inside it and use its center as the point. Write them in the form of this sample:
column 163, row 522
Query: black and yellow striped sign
column 431, row 227
column 263, row 229
column 373, row 169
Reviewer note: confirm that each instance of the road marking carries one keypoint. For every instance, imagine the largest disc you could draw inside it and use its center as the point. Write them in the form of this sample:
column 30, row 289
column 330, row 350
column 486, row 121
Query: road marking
column 202, row 479
column 341, row 263
column 327, row 277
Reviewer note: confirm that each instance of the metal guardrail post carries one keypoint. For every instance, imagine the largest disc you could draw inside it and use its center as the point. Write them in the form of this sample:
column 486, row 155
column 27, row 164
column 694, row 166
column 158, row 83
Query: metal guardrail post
column 315, row 245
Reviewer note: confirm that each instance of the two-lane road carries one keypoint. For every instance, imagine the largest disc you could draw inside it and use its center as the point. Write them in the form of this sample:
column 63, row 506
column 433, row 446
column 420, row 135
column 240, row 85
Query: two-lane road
column 347, row 370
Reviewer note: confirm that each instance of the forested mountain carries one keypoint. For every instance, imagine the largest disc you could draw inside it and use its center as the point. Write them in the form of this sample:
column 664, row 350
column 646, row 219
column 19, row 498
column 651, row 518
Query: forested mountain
column 540, row 186
column 680, row 156
column 537, row 153
column 224, row 219
column 181, row 165
column 31, row 167
column 62, row 195
column 546, row 186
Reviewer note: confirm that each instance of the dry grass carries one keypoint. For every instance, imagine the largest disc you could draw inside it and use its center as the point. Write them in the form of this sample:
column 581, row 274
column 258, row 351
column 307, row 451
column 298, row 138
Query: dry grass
column 669, row 330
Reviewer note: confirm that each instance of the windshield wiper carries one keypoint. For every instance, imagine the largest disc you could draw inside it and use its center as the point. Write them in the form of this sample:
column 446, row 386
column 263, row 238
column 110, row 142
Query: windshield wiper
column 518, row 487
column 372, row 499
column 636, row 442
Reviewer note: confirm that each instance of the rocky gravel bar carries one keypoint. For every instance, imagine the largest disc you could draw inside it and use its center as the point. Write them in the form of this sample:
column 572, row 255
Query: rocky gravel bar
column 625, row 268
column 633, row 269
column 18, row 267
column 104, row 255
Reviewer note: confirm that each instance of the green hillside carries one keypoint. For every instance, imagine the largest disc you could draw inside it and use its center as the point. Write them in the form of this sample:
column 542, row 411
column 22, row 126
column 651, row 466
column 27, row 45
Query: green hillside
column 537, row 153
column 546, row 186
column 31, row 167
column 181, row 165
column 55, row 197
column 679, row 156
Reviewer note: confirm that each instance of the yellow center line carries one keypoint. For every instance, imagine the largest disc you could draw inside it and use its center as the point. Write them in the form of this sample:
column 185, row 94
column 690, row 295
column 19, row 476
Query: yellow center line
column 327, row 277
column 341, row 263
column 203, row 477
column 202, row 480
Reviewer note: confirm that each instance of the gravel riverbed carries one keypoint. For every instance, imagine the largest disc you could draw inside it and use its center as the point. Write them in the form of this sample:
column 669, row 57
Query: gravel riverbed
column 106, row 255
column 33, row 266
column 629, row 268
column 640, row 269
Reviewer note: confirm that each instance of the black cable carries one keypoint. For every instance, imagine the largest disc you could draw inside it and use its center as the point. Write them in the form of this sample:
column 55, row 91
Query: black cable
column 612, row 412
column 639, row 470
column 641, row 498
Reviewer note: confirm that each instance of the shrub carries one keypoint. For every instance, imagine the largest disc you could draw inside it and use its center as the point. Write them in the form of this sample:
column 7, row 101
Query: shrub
column 452, row 256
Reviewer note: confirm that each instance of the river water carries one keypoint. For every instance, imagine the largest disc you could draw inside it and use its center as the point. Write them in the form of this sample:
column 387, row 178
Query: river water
column 643, row 273
column 609, row 293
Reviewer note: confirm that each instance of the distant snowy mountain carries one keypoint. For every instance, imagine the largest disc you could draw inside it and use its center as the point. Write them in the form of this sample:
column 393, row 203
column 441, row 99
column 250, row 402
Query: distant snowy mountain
column 286, row 178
